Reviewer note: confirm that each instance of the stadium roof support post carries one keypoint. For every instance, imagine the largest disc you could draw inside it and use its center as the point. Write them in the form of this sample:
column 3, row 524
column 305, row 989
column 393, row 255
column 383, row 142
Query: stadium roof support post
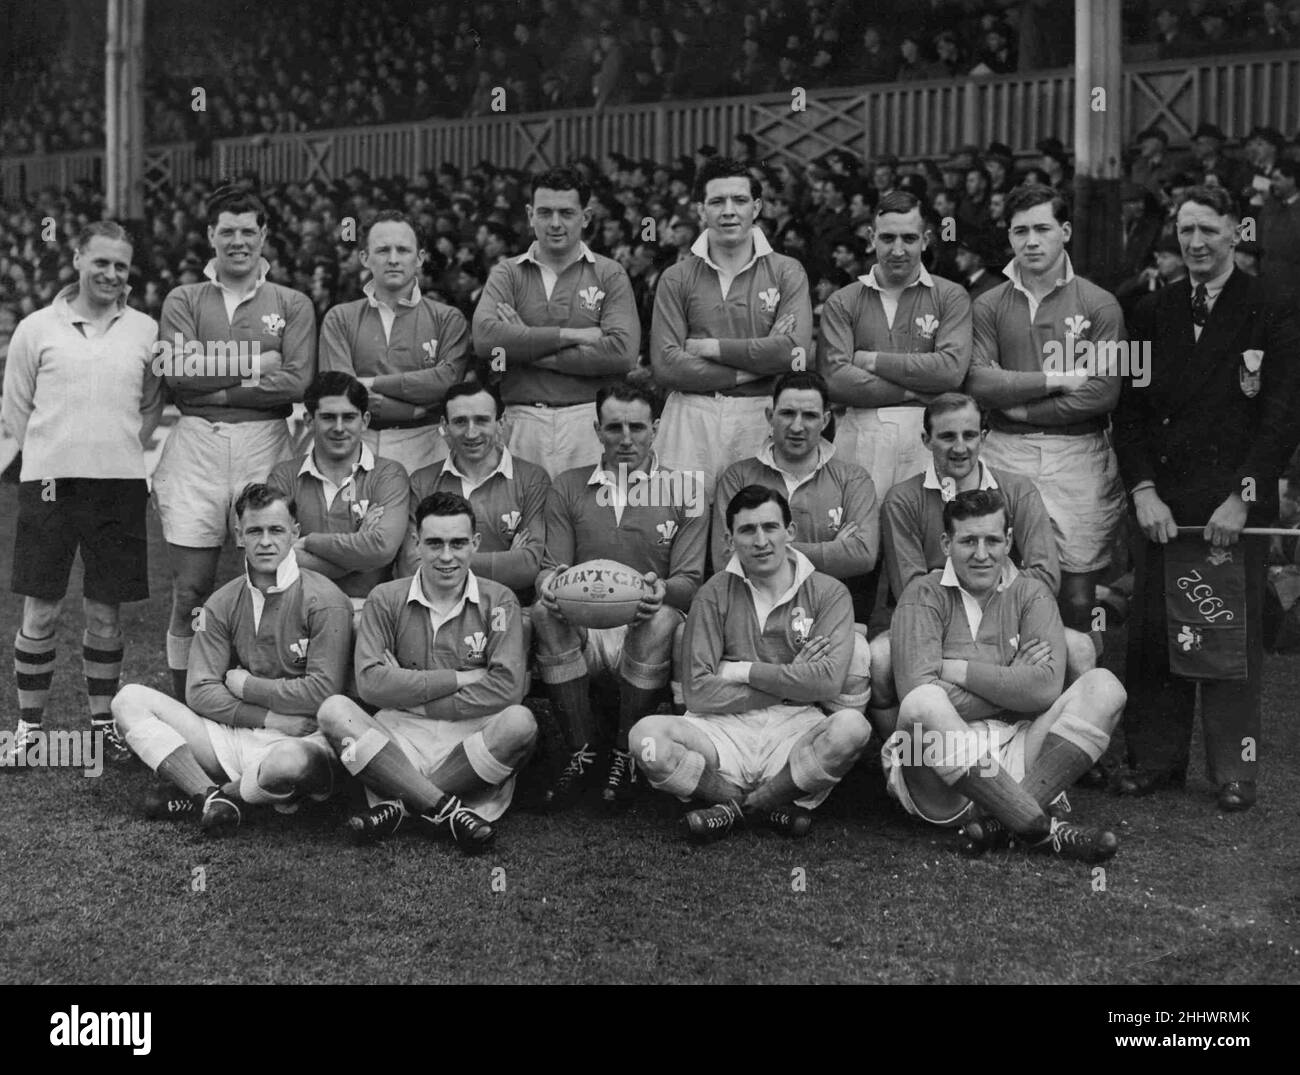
column 124, row 109
column 1098, row 118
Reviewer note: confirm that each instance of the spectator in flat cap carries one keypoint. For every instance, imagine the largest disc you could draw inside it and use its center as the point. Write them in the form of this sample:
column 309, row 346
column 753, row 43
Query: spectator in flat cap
column 1265, row 146
column 1165, row 267
column 979, row 261
column 1212, row 167
column 1154, row 166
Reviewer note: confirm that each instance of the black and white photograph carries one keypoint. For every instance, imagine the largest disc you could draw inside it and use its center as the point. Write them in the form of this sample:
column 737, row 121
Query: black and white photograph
column 651, row 492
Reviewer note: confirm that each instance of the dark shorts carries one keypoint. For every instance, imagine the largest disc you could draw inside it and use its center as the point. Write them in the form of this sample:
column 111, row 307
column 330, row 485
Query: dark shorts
column 103, row 517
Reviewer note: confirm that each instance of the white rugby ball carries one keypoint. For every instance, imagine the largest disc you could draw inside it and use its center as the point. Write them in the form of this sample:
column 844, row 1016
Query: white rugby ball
column 599, row 593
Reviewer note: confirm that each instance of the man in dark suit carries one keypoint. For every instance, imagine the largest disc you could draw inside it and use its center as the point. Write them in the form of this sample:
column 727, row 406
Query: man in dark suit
column 1204, row 442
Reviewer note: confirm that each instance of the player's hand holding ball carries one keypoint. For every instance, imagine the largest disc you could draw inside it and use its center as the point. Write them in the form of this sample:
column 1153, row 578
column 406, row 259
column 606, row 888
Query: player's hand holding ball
column 546, row 592
column 652, row 599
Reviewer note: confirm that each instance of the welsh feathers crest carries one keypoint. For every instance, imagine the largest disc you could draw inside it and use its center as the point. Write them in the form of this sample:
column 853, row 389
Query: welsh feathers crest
column 1219, row 556
column 927, row 326
column 430, row 349
column 591, row 297
column 836, row 517
column 273, row 323
column 801, row 624
column 477, row 643
column 299, row 651
column 1189, row 638
column 1077, row 325
column 510, row 522
column 667, row 529
column 769, row 299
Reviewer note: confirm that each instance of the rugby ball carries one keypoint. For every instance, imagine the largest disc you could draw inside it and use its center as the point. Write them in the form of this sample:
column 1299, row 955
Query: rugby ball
column 598, row 593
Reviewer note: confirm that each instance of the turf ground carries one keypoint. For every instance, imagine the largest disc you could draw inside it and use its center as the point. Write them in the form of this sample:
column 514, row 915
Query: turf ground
column 92, row 893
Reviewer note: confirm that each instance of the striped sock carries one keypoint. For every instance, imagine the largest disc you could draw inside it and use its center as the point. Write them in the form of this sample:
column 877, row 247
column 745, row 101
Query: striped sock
column 34, row 671
column 101, row 662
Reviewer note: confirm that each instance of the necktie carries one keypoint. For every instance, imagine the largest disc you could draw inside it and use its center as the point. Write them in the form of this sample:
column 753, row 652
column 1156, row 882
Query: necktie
column 1200, row 309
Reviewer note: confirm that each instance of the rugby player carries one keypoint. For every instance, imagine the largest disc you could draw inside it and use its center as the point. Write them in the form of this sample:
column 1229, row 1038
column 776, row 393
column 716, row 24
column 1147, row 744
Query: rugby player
column 406, row 348
column 81, row 398
column 985, row 736
column 911, row 528
column 508, row 494
column 272, row 645
column 889, row 341
column 654, row 521
column 351, row 506
column 1051, row 424
column 560, row 323
column 727, row 320
column 832, row 502
column 766, row 638
column 229, row 433
column 441, row 655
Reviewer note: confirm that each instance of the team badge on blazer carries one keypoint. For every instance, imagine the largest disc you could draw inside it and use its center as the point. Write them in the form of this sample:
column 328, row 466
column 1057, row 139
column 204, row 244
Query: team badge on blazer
column 927, row 326
column 666, row 529
column 273, row 323
column 299, row 651
column 510, row 522
column 430, row 349
column 768, row 300
column 477, row 643
column 1251, row 363
column 591, row 297
column 801, row 625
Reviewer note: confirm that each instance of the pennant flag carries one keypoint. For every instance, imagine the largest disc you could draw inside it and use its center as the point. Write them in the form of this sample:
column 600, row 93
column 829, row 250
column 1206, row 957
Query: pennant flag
column 1205, row 605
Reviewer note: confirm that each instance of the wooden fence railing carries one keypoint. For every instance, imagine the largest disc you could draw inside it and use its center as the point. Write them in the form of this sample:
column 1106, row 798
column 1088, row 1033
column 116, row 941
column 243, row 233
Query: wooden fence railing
column 912, row 120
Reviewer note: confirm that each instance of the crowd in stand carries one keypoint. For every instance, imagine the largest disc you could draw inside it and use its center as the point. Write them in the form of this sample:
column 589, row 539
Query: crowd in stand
column 273, row 70
column 642, row 216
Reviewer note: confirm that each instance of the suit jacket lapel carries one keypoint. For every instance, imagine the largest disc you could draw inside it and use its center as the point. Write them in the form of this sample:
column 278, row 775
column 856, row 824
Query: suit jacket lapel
column 1205, row 355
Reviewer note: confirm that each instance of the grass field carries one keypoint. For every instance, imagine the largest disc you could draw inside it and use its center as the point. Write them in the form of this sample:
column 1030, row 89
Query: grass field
column 92, row 893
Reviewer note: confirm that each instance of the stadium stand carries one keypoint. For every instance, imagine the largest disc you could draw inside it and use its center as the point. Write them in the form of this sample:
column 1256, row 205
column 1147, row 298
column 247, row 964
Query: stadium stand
column 392, row 61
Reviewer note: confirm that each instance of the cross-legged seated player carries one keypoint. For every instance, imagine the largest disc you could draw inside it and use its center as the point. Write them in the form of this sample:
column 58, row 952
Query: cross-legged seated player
column 269, row 647
column 441, row 654
column 911, row 526
column 767, row 639
column 985, row 736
